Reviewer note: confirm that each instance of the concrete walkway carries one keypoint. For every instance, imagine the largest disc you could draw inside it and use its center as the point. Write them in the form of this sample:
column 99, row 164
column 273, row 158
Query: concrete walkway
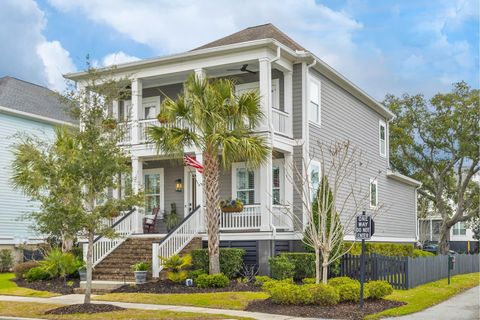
column 78, row 298
column 463, row 306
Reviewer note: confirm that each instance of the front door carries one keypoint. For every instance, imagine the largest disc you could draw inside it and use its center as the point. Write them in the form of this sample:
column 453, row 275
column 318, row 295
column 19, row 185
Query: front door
column 190, row 191
column 153, row 186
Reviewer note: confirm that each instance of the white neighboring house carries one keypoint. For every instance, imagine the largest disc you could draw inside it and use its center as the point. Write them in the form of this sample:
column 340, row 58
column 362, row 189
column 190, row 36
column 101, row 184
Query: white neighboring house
column 25, row 108
column 303, row 99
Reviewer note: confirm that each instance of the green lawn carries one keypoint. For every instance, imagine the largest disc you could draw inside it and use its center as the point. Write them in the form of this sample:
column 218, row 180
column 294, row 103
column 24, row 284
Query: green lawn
column 8, row 287
column 221, row 300
column 429, row 294
column 37, row 310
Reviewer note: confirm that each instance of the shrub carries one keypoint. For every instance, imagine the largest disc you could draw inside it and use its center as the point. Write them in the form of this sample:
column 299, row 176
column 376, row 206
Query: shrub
column 260, row 280
column 6, row 260
column 308, row 281
column 141, row 266
column 231, row 260
column 193, row 274
column 385, row 249
column 21, row 268
column 324, row 295
column 281, row 268
column 351, row 291
column 285, row 293
column 420, row 253
column 218, row 280
column 267, row 285
column 58, row 263
column 338, row 281
column 36, row 273
column 175, row 267
column 378, row 289
column 304, row 264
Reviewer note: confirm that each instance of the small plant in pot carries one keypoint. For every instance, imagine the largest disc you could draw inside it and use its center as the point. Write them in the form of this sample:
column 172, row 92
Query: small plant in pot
column 140, row 269
column 82, row 272
column 231, row 205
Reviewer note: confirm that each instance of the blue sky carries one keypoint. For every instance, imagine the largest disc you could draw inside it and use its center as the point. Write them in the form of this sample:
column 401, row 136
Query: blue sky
column 383, row 46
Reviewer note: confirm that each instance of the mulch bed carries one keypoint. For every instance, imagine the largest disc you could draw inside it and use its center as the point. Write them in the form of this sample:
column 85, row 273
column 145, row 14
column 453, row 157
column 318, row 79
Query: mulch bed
column 53, row 285
column 166, row 286
column 85, row 308
column 344, row 310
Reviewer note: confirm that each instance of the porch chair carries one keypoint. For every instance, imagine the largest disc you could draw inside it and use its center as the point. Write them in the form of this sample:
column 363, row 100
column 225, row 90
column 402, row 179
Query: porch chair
column 149, row 221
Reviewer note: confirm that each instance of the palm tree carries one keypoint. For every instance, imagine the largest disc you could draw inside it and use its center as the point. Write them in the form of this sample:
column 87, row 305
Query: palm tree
column 220, row 124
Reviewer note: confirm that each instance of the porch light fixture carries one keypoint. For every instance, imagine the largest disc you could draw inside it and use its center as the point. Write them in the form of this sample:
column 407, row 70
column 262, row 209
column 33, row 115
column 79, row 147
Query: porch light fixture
column 178, row 185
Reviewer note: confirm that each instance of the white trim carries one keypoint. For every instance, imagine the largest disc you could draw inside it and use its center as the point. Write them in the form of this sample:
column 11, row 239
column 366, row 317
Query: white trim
column 403, row 178
column 150, row 100
column 381, row 124
column 256, row 181
column 375, row 182
column 259, row 235
column 28, row 115
column 256, row 86
column 317, row 82
column 383, row 239
column 162, row 185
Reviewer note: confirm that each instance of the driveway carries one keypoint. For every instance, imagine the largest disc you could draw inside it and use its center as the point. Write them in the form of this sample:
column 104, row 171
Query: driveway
column 463, row 306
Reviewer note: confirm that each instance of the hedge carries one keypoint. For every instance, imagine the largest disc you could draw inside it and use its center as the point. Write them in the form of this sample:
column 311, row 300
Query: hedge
column 389, row 249
column 281, row 268
column 231, row 260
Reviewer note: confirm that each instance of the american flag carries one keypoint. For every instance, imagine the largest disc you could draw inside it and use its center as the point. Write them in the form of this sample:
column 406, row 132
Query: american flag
column 192, row 162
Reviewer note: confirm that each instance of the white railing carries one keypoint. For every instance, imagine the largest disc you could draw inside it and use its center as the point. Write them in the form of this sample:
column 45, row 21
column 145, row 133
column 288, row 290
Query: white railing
column 126, row 127
column 144, row 125
column 282, row 122
column 281, row 217
column 249, row 218
column 176, row 240
column 124, row 226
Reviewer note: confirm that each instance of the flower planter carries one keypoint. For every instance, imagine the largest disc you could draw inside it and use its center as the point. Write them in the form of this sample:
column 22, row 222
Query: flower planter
column 232, row 209
column 83, row 274
column 140, row 277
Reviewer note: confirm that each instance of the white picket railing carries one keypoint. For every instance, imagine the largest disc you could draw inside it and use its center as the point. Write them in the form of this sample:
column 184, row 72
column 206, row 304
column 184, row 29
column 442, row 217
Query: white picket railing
column 124, row 226
column 176, row 240
column 249, row 218
column 144, row 125
column 282, row 122
column 126, row 127
column 281, row 217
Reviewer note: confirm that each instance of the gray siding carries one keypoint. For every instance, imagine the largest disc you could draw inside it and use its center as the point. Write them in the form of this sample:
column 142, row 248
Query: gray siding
column 225, row 183
column 171, row 91
column 343, row 117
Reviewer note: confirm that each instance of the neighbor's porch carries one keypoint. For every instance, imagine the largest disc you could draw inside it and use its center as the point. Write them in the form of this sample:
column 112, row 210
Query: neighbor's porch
column 172, row 187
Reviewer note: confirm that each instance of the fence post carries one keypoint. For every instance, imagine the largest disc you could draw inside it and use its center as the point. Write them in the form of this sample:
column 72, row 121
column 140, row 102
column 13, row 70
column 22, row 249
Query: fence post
column 155, row 260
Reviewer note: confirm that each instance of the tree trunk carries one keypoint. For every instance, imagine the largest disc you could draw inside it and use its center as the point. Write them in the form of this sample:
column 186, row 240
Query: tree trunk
column 325, row 268
column 88, row 286
column 317, row 265
column 443, row 245
column 211, row 176
column 67, row 243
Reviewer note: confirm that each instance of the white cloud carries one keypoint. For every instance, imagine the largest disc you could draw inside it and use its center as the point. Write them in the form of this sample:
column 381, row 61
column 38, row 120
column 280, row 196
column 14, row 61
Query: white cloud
column 56, row 61
column 117, row 58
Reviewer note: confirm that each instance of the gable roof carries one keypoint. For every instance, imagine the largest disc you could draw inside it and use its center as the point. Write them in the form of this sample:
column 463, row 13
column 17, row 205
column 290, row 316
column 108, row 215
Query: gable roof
column 26, row 98
column 264, row 31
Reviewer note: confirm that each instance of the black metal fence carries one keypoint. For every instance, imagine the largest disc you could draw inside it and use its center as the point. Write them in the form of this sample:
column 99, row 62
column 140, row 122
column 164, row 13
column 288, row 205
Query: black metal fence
column 407, row 272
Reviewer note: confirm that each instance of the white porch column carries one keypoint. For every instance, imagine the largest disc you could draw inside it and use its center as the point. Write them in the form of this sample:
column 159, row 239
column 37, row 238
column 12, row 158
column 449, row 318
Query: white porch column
column 265, row 173
column 136, row 108
column 199, row 195
column 288, row 188
column 265, row 79
column 137, row 185
column 115, row 109
column 288, row 100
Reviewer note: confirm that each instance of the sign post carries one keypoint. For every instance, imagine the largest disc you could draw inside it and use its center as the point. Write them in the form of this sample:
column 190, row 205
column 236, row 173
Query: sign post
column 364, row 229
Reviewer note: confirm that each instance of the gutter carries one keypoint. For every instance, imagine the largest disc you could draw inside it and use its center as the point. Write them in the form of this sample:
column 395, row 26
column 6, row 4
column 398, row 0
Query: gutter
column 403, row 178
column 37, row 117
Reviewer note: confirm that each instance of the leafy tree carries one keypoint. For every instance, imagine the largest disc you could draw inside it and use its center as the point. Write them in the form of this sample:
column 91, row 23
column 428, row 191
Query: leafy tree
column 436, row 142
column 76, row 171
column 223, row 125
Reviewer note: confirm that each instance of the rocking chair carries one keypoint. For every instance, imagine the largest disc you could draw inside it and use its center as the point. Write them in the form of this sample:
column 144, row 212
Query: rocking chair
column 150, row 221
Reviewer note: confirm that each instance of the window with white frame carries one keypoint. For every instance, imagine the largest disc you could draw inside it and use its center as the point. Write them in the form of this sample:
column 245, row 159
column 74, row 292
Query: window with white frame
column 373, row 193
column 277, row 183
column 314, row 176
column 245, row 185
column 459, row 229
column 252, row 86
column 314, row 107
column 382, row 138
column 151, row 107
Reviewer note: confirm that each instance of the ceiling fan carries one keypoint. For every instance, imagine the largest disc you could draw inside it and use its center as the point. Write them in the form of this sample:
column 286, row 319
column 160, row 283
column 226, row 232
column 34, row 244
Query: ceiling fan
column 243, row 69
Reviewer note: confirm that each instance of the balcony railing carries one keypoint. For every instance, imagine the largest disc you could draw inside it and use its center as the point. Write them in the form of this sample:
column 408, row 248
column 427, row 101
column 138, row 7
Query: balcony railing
column 282, row 122
column 282, row 217
column 249, row 218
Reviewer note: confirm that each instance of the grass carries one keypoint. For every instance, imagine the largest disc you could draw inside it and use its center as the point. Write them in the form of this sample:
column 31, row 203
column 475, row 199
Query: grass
column 427, row 295
column 10, row 288
column 37, row 310
column 220, row 300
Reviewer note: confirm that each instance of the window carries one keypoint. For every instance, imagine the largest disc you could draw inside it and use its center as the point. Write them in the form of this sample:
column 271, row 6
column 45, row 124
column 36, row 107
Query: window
column 459, row 229
column 314, row 176
column 151, row 107
column 314, row 113
column 382, row 136
column 124, row 110
column 251, row 86
column 373, row 193
column 276, row 184
column 245, row 185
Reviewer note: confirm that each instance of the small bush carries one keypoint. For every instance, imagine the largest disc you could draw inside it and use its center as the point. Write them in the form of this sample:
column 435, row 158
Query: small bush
column 59, row 264
column 420, row 253
column 338, row 281
column 379, row 289
column 260, row 280
column 21, row 268
column 304, row 264
column 271, row 283
column 36, row 273
column 6, row 260
column 324, row 295
column 193, row 274
column 281, row 268
column 308, row 281
column 218, row 280
column 285, row 293
column 231, row 260
column 175, row 266
column 351, row 291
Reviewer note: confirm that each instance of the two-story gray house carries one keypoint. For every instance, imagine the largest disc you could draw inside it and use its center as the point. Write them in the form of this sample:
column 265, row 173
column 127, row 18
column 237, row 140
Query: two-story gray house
column 304, row 100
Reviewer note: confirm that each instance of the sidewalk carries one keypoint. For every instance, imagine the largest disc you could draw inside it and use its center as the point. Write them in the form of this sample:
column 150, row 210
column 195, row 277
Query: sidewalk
column 78, row 298
column 463, row 306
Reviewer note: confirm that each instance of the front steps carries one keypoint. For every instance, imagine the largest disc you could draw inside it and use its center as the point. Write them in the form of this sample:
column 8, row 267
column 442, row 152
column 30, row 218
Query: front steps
column 117, row 266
